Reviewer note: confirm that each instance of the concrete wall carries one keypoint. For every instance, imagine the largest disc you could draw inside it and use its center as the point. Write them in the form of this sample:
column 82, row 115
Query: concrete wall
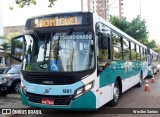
column 13, row 29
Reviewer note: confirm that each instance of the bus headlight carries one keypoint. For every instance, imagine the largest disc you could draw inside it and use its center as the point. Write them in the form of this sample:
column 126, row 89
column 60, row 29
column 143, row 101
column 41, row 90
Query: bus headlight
column 84, row 89
column 23, row 88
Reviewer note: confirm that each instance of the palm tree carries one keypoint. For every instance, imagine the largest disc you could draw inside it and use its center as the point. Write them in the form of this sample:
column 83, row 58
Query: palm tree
column 5, row 47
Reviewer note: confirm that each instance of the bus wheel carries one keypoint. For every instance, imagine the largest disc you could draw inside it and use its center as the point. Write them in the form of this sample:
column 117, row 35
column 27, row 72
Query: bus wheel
column 116, row 95
column 140, row 81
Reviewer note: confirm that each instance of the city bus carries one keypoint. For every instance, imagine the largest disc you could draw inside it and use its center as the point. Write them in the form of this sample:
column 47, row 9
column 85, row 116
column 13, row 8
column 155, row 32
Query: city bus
column 153, row 64
column 76, row 61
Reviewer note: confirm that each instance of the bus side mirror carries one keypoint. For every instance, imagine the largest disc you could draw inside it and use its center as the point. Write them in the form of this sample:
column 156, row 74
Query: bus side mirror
column 18, row 48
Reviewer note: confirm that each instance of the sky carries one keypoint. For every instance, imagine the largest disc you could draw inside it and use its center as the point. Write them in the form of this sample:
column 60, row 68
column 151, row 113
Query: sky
column 149, row 12
column 18, row 16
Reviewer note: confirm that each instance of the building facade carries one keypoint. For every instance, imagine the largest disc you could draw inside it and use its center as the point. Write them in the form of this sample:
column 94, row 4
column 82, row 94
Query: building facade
column 96, row 6
column 103, row 8
column 14, row 29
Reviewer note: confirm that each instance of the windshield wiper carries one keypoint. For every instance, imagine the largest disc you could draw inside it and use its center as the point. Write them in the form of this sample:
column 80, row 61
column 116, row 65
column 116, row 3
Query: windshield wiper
column 69, row 32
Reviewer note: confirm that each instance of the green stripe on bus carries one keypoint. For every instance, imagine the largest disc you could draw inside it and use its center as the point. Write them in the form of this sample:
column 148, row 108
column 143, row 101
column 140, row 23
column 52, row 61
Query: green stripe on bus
column 84, row 102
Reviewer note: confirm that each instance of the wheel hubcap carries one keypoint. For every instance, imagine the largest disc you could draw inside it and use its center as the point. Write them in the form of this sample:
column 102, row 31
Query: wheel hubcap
column 17, row 88
column 116, row 94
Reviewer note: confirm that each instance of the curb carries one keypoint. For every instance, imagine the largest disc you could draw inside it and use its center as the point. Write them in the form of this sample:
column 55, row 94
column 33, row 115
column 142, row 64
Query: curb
column 9, row 115
column 13, row 96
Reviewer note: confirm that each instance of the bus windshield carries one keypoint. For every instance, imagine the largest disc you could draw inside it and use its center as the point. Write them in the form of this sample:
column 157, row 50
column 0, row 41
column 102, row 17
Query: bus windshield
column 59, row 52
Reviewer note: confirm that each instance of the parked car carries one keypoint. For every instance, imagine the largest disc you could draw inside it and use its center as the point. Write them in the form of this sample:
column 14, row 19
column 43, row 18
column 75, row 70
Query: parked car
column 2, row 70
column 10, row 80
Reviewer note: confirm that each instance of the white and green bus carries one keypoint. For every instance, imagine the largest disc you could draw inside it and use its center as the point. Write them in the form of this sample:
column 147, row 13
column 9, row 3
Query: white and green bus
column 153, row 63
column 77, row 61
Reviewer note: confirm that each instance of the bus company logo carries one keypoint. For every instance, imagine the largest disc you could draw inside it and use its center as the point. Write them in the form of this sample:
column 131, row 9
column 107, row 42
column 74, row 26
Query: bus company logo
column 47, row 90
column 48, row 82
column 6, row 111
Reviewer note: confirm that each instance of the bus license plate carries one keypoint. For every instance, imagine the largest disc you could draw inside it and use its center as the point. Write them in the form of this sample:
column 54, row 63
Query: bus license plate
column 47, row 101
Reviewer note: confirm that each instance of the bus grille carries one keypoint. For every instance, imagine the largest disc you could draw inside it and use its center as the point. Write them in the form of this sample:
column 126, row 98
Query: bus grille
column 50, row 79
column 58, row 100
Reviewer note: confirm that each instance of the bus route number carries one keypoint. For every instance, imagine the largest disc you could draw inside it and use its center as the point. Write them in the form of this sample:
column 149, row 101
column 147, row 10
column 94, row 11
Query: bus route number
column 67, row 91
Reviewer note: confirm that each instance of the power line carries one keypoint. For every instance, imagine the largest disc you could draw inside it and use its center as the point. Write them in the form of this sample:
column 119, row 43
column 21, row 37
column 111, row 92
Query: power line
column 112, row 3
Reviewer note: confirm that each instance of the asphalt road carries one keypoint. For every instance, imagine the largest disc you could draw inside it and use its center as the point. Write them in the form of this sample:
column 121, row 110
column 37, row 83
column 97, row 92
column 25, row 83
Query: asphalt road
column 133, row 100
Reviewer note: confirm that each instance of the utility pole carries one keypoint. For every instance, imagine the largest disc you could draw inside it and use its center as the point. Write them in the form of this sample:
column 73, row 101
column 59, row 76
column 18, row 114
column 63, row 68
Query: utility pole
column 120, row 10
column 140, row 10
column 81, row 5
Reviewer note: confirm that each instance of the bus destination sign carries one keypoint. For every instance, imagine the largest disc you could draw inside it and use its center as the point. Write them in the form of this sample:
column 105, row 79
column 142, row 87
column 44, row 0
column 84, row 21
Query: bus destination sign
column 57, row 21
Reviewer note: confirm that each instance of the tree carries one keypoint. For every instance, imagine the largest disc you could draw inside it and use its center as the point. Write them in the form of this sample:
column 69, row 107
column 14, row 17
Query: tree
column 157, row 49
column 22, row 3
column 5, row 46
column 7, row 43
column 9, row 36
column 122, row 24
column 136, row 28
column 151, row 44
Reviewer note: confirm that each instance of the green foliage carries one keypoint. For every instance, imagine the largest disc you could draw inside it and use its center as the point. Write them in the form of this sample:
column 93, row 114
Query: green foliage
column 7, row 41
column 19, row 44
column 22, row 3
column 136, row 28
column 122, row 24
column 8, row 37
column 151, row 44
column 157, row 49
column 5, row 46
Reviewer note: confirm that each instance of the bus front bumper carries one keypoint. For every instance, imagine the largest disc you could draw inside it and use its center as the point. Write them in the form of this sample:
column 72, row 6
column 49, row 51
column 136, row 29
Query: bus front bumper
column 86, row 101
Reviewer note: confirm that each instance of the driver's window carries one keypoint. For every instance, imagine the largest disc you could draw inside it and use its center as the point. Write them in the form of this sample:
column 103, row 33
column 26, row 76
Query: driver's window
column 103, row 52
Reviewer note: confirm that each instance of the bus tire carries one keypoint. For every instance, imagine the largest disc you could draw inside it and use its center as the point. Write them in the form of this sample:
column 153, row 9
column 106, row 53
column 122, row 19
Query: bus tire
column 116, row 95
column 140, row 80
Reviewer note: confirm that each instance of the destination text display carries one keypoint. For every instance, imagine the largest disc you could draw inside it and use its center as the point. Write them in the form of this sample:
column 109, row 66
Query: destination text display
column 57, row 21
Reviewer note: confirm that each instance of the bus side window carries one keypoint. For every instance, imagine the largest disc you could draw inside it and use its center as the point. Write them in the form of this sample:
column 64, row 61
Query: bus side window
column 103, row 52
column 116, row 46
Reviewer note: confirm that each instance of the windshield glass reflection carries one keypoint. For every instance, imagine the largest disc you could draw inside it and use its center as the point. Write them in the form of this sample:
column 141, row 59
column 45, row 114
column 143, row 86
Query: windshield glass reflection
column 58, row 52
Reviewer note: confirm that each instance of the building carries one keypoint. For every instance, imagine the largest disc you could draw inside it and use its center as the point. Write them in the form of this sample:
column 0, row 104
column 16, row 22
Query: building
column 95, row 6
column 14, row 29
column 116, row 8
column 103, row 8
